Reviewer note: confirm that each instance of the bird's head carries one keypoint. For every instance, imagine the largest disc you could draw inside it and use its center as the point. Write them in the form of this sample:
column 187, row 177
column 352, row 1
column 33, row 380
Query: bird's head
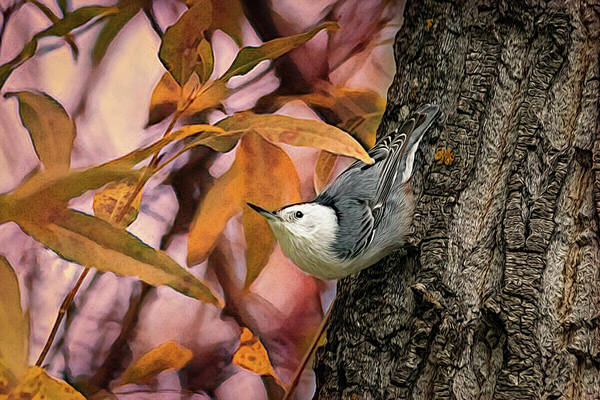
column 309, row 222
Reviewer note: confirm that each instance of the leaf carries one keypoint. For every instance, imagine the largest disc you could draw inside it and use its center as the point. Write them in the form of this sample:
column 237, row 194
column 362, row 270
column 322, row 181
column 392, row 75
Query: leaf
column 252, row 355
column 164, row 99
column 262, row 173
column 227, row 16
column 167, row 94
column 222, row 201
column 323, row 170
column 358, row 110
column 95, row 243
column 178, row 50
column 70, row 21
column 211, row 136
column 271, row 181
column 206, row 61
column 297, row 132
column 109, row 202
column 14, row 325
column 75, row 19
column 38, row 385
column 127, row 10
column 444, row 156
column 51, row 129
column 250, row 57
column 167, row 356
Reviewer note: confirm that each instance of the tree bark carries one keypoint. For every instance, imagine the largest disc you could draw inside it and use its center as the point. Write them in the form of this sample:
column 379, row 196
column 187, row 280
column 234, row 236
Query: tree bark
column 497, row 295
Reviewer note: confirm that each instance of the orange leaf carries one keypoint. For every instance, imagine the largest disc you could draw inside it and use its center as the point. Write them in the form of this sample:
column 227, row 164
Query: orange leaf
column 323, row 170
column 271, row 182
column 262, row 173
column 252, row 355
column 444, row 156
column 167, row 356
column 297, row 132
column 222, row 201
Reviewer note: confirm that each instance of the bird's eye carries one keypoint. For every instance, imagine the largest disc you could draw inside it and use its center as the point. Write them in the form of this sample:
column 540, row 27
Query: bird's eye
column 298, row 214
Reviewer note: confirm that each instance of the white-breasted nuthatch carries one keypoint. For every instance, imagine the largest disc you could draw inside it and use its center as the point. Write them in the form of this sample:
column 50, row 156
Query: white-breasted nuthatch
column 362, row 215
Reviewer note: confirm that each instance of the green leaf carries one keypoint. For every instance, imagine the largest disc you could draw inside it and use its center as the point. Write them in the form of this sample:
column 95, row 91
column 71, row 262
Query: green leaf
column 14, row 324
column 178, row 50
column 206, row 63
column 70, row 21
column 76, row 19
column 249, row 57
column 93, row 242
column 127, row 10
column 51, row 129
column 26, row 53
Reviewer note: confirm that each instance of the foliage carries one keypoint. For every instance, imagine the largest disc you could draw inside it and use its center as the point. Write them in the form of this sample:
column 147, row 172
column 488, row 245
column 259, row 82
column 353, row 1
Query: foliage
column 262, row 172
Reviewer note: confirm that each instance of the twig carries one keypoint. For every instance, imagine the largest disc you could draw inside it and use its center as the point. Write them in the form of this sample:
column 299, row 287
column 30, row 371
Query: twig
column 61, row 313
column 296, row 378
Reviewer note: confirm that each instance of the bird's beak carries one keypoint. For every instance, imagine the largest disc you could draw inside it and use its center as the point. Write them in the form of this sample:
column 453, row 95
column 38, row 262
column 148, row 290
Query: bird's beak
column 267, row 214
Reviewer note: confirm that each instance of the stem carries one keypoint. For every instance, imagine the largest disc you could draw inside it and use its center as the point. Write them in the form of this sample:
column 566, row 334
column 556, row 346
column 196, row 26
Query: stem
column 61, row 313
column 313, row 346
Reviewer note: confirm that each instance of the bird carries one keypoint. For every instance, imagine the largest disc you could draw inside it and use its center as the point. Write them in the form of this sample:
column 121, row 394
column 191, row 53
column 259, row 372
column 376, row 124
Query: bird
column 361, row 216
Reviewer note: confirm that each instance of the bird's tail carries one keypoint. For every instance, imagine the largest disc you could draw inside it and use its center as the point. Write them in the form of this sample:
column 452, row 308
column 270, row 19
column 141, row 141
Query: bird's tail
column 423, row 119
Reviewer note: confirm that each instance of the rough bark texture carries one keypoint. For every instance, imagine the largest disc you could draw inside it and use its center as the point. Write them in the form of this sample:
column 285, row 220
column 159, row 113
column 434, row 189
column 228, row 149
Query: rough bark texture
column 499, row 295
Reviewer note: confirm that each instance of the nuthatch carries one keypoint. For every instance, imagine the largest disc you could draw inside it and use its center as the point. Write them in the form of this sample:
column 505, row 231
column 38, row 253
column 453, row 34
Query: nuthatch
column 362, row 215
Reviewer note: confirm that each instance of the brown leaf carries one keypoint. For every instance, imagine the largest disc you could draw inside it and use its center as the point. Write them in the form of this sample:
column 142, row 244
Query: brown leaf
column 167, row 94
column 323, row 170
column 227, row 16
column 167, row 356
column 297, row 132
column 251, row 355
column 178, row 50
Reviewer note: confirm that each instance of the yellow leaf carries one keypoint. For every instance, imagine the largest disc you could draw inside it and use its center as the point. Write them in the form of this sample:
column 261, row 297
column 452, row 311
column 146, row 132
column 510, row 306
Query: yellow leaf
column 51, row 129
column 178, row 50
column 167, row 356
column 14, row 326
column 323, row 170
column 250, row 57
column 252, row 355
column 95, row 243
column 297, row 132
column 109, row 202
column 38, row 385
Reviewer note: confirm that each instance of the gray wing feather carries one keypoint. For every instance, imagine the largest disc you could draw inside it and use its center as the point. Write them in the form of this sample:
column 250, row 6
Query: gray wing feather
column 360, row 193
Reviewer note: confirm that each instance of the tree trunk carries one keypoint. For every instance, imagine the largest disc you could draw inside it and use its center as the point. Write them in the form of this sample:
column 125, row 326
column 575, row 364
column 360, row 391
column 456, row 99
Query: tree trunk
column 498, row 294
